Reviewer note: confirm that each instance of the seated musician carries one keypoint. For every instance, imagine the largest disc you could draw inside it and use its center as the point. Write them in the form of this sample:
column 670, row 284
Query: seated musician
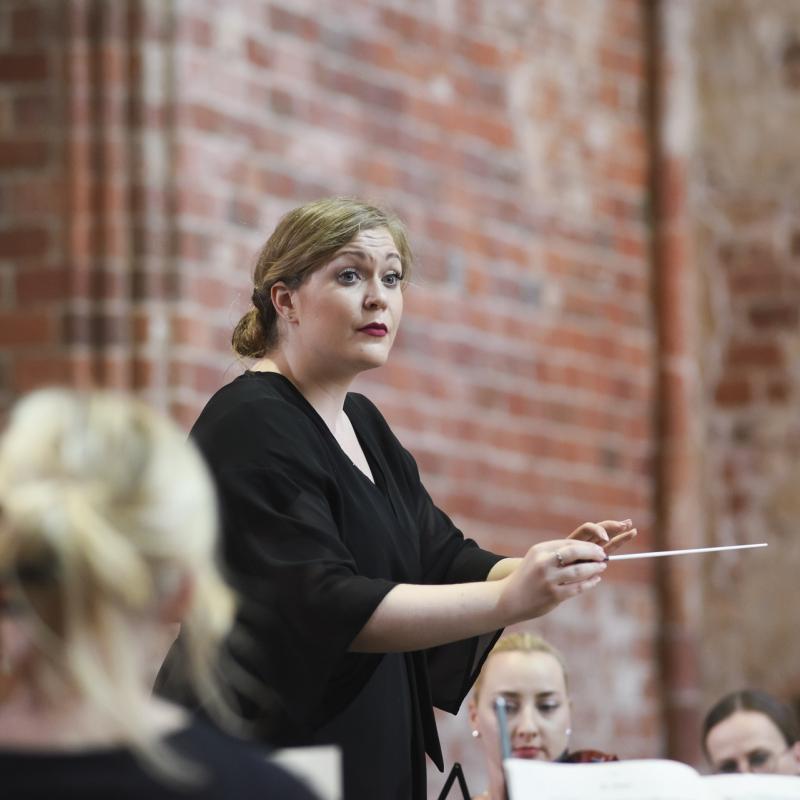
column 530, row 675
column 752, row 731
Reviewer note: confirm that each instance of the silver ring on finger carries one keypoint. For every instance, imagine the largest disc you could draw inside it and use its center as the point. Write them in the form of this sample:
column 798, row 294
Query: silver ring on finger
column 559, row 559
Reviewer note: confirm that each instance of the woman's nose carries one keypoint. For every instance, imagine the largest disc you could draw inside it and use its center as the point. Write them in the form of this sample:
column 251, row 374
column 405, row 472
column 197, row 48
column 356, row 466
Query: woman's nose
column 375, row 296
column 526, row 721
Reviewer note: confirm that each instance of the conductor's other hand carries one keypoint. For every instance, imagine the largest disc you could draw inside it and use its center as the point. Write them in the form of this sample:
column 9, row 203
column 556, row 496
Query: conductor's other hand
column 610, row 535
column 550, row 573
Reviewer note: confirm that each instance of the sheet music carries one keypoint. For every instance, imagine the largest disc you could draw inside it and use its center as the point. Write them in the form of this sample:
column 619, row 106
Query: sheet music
column 641, row 779
column 319, row 767
column 754, row 787
column 610, row 780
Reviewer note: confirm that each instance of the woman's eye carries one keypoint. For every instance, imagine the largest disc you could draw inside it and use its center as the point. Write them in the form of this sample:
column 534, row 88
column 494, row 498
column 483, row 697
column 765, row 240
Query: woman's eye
column 392, row 278
column 758, row 758
column 347, row 276
column 728, row 766
column 547, row 708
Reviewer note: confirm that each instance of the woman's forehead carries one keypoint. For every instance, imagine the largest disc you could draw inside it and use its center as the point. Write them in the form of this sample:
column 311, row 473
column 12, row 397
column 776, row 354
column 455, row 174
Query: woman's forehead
column 537, row 670
column 370, row 239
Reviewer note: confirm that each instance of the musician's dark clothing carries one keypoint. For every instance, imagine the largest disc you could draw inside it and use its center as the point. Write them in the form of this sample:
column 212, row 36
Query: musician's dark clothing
column 230, row 769
column 314, row 546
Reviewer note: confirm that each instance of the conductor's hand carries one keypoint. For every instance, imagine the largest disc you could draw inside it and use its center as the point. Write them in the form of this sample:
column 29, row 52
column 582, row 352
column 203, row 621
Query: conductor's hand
column 550, row 573
column 610, row 535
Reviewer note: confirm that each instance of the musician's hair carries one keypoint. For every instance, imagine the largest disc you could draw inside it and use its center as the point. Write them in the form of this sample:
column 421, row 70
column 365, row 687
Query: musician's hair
column 520, row 643
column 781, row 714
column 105, row 511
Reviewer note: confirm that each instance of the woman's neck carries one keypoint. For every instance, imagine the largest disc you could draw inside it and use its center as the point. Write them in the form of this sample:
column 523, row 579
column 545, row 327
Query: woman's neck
column 31, row 721
column 324, row 393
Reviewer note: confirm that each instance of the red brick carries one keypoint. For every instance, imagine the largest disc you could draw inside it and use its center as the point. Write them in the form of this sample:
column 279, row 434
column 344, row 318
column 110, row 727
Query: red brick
column 731, row 393
column 41, row 285
column 22, row 242
column 755, row 354
column 34, row 111
column 32, row 371
column 284, row 21
column 778, row 315
column 22, row 153
column 26, row 328
column 258, row 54
column 27, row 24
column 23, row 67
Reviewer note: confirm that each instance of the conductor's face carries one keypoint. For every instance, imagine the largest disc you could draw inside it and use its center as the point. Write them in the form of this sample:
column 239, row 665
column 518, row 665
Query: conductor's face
column 749, row 741
column 346, row 314
column 537, row 706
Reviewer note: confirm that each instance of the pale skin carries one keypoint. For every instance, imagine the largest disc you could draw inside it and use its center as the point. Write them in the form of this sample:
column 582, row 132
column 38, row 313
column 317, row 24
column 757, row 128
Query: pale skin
column 33, row 718
column 749, row 741
column 325, row 341
column 537, row 709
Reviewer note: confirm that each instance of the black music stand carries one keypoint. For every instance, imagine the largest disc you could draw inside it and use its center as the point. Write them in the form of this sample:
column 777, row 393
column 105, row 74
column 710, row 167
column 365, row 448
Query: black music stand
column 456, row 774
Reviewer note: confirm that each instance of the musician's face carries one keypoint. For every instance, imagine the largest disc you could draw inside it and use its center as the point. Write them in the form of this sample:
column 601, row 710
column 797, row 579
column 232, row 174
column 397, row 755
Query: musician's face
column 537, row 707
column 749, row 741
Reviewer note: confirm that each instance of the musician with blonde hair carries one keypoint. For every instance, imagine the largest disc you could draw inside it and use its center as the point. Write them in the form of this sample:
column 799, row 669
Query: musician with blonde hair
column 108, row 531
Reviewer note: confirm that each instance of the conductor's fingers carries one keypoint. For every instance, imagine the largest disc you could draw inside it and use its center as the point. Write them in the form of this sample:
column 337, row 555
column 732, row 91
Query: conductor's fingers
column 620, row 540
column 580, row 572
column 567, row 590
column 590, row 532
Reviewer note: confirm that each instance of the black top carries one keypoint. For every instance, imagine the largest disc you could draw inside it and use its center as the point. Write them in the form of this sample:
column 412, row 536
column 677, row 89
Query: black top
column 231, row 769
column 313, row 547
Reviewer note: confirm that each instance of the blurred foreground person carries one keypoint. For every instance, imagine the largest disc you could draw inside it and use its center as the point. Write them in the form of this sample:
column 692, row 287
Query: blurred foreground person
column 529, row 674
column 752, row 731
column 107, row 534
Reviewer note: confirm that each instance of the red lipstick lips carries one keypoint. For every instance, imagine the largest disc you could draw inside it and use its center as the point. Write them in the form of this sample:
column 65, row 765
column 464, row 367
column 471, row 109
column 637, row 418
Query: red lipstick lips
column 374, row 329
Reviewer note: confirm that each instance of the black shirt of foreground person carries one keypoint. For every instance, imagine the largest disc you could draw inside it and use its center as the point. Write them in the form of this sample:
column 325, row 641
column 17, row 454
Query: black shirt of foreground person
column 313, row 546
column 230, row 771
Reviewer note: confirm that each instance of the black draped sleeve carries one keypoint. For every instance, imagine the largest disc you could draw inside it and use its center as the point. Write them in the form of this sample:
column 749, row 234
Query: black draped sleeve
column 303, row 599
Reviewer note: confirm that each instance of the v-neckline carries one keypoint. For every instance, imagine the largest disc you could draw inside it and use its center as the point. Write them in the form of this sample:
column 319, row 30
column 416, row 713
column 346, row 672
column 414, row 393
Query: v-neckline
column 378, row 480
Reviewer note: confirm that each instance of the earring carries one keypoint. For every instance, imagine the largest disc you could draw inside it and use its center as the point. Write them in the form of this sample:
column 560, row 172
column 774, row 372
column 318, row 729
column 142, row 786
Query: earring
column 568, row 732
column 476, row 733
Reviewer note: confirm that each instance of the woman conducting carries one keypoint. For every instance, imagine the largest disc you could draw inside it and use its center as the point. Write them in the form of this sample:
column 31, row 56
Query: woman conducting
column 364, row 606
column 96, row 493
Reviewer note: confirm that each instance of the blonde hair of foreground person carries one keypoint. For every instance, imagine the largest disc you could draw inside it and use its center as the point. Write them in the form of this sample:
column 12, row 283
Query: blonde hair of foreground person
column 107, row 532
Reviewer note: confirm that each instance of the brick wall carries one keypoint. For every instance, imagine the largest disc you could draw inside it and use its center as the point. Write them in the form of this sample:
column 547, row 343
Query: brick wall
column 522, row 377
column 580, row 341
column 510, row 137
column 744, row 200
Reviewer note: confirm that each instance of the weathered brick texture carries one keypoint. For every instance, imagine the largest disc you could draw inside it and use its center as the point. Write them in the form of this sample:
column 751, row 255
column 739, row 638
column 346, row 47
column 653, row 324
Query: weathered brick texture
column 604, row 320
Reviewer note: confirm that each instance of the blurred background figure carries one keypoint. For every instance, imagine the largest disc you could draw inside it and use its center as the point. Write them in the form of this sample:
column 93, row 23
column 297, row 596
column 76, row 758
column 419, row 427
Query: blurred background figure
column 107, row 534
column 752, row 731
column 531, row 676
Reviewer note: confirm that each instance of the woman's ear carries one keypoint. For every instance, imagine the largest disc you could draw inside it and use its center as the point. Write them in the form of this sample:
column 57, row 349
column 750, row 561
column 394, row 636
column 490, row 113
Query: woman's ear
column 177, row 600
column 283, row 301
column 472, row 708
column 796, row 754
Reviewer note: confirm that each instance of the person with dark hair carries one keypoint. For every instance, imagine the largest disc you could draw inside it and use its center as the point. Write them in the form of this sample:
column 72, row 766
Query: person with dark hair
column 96, row 494
column 363, row 604
column 752, row 731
